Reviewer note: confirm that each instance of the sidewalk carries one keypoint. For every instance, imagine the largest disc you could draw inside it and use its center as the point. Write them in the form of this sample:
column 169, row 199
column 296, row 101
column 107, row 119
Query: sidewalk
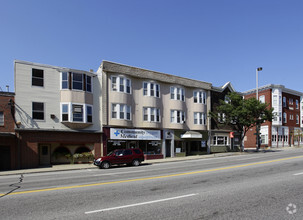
column 65, row 167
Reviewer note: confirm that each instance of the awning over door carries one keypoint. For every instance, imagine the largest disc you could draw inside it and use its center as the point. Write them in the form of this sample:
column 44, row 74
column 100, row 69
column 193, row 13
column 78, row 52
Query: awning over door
column 191, row 135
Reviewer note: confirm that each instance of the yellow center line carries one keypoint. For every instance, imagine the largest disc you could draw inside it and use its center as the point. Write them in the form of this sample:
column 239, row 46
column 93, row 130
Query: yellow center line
column 154, row 177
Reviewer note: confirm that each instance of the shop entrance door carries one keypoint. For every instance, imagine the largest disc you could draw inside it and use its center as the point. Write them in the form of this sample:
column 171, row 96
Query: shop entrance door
column 44, row 154
column 168, row 148
column 5, row 158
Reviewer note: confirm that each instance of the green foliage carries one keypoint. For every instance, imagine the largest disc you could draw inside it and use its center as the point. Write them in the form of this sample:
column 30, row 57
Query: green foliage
column 241, row 114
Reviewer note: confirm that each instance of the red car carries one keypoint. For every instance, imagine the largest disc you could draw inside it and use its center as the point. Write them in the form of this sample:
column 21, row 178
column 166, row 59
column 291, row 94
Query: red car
column 121, row 156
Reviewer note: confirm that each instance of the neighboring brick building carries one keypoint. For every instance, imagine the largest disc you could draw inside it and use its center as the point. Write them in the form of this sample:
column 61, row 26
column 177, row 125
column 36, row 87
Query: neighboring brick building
column 285, row 128
column 220, row 137
column 8, row 141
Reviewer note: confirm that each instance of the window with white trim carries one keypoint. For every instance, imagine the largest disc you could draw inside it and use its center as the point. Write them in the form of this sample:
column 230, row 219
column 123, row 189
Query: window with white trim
column 79, row 113
column 151, row 89
column 177, row 116
column 220, row 140
column 284, row 101
column 291, row 101
column 64, row 80
column 297, row 104
column 38, row 110
column 275, row 100
column 76, row 81
column 121, row 84
column 262, row 99
column 199, row 118
column 121, row 111
column 297, row 119
column 199, row 97
column 1, row 119
column 291, row 117
column 284, row 117
column 151, row 114
column 177, row 93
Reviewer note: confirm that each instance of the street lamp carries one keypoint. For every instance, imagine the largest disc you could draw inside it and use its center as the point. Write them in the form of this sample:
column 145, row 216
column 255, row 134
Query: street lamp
column 257, row 97
column 257, row 71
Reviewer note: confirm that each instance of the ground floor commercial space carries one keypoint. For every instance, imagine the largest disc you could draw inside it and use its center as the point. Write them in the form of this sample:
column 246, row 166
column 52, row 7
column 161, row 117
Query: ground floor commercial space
column 156, row 144
column 223, row 141
column 8, row 151
column 44, row 148
column 275, row 136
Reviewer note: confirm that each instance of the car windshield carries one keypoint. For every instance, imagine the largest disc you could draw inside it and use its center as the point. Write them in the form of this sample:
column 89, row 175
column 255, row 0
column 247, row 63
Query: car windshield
column 110, row 153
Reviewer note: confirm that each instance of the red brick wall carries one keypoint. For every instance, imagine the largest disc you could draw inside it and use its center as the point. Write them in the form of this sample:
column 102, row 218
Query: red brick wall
column 290, row 109
column 9, row 124
column 250, row 137
column 31, row 139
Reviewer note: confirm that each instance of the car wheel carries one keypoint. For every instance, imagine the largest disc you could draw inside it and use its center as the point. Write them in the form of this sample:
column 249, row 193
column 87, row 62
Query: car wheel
column 105, row 165
column 136, row 162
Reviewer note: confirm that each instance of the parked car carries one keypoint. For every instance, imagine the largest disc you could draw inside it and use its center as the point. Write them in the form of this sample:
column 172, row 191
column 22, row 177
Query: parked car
column 121, row 156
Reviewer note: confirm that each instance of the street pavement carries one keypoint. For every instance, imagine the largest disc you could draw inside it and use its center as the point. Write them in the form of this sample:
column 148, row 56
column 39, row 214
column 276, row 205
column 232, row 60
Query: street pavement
column 250, row 185
column 65, row 167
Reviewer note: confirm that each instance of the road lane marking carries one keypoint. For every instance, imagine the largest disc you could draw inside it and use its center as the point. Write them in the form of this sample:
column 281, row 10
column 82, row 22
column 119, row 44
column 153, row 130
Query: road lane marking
column 142, row 203
column 297, row 174
column 154, row 177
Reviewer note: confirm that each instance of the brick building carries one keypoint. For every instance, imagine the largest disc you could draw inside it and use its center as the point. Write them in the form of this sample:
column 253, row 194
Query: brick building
column 286, row 127
column 8, row 141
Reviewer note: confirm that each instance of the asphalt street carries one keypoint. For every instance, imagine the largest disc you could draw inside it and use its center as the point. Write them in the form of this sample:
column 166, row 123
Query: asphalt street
column 251, row 186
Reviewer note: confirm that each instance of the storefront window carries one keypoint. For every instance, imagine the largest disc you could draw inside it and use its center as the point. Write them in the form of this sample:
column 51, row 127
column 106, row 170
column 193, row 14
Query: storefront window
column 151, row 147
column 220, row 140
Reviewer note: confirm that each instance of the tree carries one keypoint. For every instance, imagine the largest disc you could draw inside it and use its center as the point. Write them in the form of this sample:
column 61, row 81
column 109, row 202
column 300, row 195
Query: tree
column 241, row 114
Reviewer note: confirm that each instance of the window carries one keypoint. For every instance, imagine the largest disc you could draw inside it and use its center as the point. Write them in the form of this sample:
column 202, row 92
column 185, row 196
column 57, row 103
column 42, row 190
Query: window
column 177, row 93
column 199, row 97
column 262, row 99
column 88, row 83
column 297, row 119
column 1, row 119
column 89, row 114
column 121, row 84
column 65, row 112
column 151, row 89
column 274, row 138
column 77, row 81
column 38, row 110
column 177, row 116
column 291, row 117
column 284, row 101
column 64, row 80
column 221, row 117
column 199, row 118
column 151, row 114
column 78, row 113
column 220, row 140
column 284, row 117
column 37, row 77
column 264, row 139
column 121, row 111
column 275, row 100
column 291, row 101
column 297, row 104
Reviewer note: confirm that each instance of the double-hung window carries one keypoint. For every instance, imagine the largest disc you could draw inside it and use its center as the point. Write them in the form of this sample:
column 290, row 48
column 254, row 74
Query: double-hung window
column 284, row 101
column 151, row 89
column 121, row 111
column 88, row 83
column 1, row 119
column 199, row 118
column 284, row 117
column 65, row 112
column 297, row 119
column 177, row 116
column 65, row 80
column 177, row 93
column 38, row 110
column 89, row 114
column 78, row 113
column 37, row 77
column 77, row 81
column 121, row 84
column 200, row 97
column 297, row 104
column 151, row 114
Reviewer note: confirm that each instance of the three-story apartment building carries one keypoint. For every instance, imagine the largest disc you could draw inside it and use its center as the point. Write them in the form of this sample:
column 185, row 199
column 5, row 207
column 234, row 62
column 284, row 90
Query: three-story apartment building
column 162, row 114
column 286, row 127
column 57, row 113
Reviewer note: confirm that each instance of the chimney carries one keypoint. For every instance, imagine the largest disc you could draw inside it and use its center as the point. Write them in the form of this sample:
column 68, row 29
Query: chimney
column 7, row 88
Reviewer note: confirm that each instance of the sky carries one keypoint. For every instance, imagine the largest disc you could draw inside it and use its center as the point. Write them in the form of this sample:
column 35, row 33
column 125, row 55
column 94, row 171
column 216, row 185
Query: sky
column 214, row 41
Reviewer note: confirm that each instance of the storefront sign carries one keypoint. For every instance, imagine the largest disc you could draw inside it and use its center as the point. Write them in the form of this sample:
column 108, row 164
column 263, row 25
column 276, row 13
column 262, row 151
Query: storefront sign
column 134, row 134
